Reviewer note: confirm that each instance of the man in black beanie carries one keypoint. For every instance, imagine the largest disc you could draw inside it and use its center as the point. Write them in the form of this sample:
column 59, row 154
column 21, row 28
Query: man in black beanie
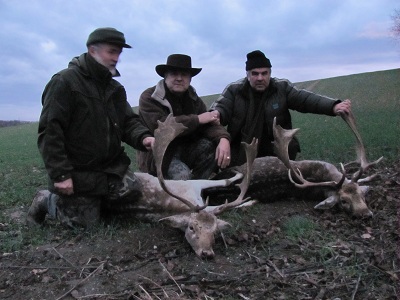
column 84, row 120
column 248, row 107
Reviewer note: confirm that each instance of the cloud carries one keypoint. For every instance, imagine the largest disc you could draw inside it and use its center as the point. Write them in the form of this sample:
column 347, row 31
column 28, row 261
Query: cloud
column 48, row 46
column 304, row 39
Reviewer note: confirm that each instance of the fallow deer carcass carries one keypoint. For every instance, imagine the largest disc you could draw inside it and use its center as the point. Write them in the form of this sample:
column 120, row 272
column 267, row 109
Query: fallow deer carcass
column 179, row 203
column 275, row 178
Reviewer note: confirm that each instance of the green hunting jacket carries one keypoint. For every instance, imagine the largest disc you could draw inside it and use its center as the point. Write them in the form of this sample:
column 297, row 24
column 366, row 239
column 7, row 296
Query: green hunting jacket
column 282, row 96
column 155, row 104
column 84, row 120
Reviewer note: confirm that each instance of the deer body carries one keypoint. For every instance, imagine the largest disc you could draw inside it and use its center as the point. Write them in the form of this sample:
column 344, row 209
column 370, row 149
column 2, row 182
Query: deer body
column 271, row 177
column 155, row 203
column 270, row 182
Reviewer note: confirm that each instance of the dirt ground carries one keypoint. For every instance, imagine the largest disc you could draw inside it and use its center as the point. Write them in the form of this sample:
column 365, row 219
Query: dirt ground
column 343, row 258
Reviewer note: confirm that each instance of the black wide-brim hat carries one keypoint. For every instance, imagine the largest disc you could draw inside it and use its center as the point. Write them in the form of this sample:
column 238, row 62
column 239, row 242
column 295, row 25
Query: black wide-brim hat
column 178, row 62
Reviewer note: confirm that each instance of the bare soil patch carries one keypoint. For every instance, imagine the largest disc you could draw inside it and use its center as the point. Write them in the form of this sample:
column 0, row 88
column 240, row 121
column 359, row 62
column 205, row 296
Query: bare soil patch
column 342, row 257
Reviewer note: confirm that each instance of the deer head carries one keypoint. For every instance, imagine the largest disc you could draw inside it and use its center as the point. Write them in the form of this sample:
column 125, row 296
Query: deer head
column 200, row 222
column 346, row 193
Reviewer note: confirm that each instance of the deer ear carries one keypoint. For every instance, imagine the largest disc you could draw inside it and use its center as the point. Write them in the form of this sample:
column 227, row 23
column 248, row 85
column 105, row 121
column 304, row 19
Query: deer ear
column 327, row 203
column 221, row 224
column 364, row 189
column 177, row 221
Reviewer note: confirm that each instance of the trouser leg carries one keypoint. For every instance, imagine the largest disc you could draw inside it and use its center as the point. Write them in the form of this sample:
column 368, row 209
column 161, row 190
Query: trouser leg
column 123, row 194
column 178, row 170
column 84, row 211
column 78, row 211
column 193, row 160
column 71, row 211
column 201, row 158
column 127, row 187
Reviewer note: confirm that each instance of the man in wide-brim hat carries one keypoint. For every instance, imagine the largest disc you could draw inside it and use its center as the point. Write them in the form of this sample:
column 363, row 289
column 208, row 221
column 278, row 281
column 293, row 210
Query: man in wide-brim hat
column 204, row 145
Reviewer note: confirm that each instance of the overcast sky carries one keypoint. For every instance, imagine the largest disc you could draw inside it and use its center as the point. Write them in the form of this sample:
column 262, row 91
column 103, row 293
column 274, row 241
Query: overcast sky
column 304, row 40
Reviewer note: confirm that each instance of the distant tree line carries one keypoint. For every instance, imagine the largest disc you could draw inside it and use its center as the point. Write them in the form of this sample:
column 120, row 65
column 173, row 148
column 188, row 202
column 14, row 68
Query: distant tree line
column 396, row 24
column 12, row 123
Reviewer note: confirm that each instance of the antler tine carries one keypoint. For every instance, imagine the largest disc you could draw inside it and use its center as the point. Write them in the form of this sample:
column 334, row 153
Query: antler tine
column 305, row 183
column 361, row 155
column 282, row 138
column 166, row 132
column 251, row 154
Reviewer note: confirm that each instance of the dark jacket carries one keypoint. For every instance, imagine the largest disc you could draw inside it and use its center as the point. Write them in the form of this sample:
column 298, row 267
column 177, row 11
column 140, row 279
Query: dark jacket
column 281, row 96
column 154, row 106
column 84, row 120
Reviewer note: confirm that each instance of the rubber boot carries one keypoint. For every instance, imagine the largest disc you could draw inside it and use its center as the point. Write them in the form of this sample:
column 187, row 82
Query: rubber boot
column 39, row 208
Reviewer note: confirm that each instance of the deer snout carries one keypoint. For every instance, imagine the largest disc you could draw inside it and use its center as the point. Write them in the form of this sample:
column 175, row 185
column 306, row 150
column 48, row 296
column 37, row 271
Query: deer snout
column 364, row 214
column 206, row 254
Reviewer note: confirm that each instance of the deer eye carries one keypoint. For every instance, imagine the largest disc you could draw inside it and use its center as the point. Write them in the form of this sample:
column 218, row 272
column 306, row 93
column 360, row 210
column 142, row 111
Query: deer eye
column 191, row 228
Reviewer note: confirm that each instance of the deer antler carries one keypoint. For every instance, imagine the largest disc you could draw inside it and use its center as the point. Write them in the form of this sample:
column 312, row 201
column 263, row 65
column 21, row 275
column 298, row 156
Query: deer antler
column 166, row 132
column 251, row 154
column 361, row 156
column 282, row 137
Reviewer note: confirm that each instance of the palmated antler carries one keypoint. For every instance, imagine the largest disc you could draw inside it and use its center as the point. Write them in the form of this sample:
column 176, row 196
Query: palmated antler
column 251, row 154
column 166, row 132
column 282, row 138
column 361, row 156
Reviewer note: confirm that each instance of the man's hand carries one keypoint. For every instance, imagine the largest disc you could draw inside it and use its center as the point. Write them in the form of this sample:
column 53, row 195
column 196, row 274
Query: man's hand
column 148, row 142
column 65, row 187
column 209, row 117
column 344, row 106
column 223, row 153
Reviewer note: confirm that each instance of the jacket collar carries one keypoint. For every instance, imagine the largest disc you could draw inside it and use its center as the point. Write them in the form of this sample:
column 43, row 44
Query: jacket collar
column 91, row 68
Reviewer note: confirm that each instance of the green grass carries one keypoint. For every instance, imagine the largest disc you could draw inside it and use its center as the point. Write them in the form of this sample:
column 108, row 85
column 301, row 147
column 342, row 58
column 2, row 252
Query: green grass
column 298, row 227
column 21, row 167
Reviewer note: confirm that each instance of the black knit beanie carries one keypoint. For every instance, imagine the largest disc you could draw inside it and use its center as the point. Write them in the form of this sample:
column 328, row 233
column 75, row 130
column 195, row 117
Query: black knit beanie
column 257, row 59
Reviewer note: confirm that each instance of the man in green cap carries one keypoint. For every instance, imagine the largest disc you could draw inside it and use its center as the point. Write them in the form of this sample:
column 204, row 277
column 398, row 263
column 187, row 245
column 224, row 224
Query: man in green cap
column 84, row 120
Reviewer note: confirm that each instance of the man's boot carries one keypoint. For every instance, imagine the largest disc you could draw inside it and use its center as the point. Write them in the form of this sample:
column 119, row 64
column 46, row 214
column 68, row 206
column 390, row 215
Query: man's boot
column 38, row 209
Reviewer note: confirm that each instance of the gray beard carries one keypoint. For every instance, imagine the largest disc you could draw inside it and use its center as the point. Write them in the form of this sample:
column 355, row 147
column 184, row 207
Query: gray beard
column 113, row 71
